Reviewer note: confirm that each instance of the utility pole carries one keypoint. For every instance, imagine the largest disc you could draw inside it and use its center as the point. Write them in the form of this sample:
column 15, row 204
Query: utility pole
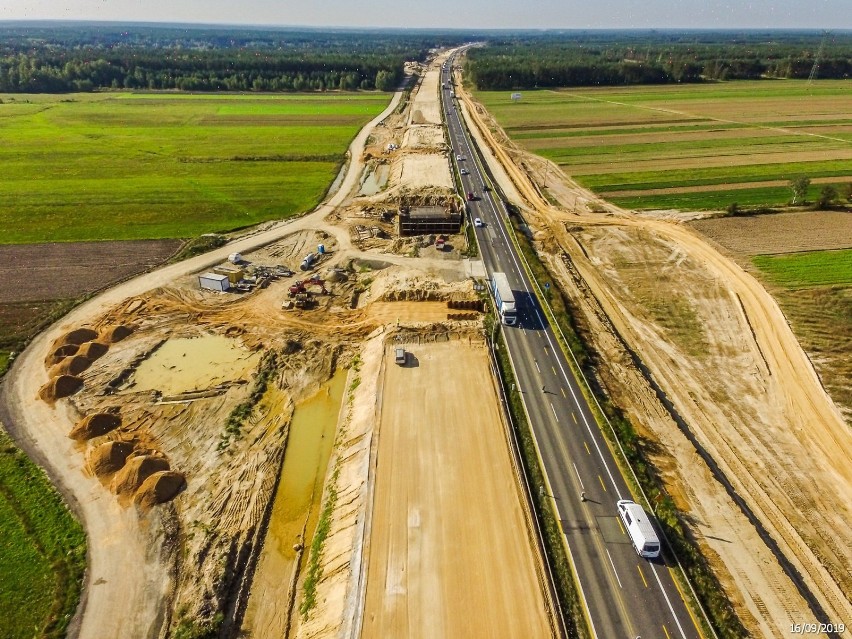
column 816, row 60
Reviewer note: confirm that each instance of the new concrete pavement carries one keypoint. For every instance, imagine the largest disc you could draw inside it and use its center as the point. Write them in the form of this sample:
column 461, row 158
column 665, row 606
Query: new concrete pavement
column 625, row 595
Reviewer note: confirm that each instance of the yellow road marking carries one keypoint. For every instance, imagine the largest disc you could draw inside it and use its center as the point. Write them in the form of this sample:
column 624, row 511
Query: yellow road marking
column 587, row 448
column 620, row 525
column 600, row 479
column 553, row 368
column 563, row 393
column 667, row 632
column 639, row 568
column 575, row 417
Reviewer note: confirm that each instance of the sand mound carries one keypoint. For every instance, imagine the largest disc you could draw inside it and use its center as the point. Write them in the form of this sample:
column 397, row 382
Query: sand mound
column 160, row 487
column 59, row 354
column 94, row 426
column 93, row 350
column 128, row 480
column 113, row 334
column 73, row 365
column 59, row 387
column 77, row 336
column 109, row 457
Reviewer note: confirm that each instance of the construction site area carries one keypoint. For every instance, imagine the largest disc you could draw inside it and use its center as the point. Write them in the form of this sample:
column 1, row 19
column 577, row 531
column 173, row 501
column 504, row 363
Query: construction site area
column 175, row 410
column 248, row 457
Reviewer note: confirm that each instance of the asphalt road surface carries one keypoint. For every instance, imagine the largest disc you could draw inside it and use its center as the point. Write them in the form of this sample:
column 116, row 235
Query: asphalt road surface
column 625, row 595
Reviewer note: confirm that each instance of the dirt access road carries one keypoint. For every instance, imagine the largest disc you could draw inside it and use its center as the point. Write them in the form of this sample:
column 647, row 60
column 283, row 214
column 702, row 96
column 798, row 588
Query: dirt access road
column 449, row 554
column 762, row 419
column 127, row 581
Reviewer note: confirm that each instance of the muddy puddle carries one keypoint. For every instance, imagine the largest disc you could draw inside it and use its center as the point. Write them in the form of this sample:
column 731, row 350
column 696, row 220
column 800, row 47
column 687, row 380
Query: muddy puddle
column 182, row 365
column 295, row 511
column 375, row 180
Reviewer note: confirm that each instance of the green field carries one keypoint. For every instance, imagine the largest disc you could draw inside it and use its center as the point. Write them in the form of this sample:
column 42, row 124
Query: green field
column 801, row 270
column 132, row 166
column 628, row 142
column 42, row 551
column 814, row 289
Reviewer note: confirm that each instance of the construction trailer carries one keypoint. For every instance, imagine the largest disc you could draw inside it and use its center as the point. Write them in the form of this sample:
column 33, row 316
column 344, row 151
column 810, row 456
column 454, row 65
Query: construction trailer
column 233, row 273
column 214, row 282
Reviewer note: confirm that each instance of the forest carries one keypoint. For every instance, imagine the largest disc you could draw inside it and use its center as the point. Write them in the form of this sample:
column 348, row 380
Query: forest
column 59, row 58
column 611, row 58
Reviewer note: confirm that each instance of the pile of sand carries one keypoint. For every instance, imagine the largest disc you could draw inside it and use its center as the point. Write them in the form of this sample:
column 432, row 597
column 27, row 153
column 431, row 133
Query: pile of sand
column 137, row 469
column 94, row 426
column 60, row 353
column 73, row 365
column 93, row 350
column 109, row 457
column 61, row 386
column 77, row 336
column 113, row 334
column 160, row 487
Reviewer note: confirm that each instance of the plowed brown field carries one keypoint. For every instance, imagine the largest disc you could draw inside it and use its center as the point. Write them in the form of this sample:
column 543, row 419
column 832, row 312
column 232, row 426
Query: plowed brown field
column 56, row 270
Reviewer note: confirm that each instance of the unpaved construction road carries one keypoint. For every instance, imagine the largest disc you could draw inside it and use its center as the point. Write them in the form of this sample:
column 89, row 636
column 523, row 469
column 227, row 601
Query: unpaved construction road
column 447, row 557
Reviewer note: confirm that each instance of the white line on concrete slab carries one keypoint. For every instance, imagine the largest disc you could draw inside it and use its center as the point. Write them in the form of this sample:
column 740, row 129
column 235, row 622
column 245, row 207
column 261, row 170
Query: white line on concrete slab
column 578, row 476
column 615, row 572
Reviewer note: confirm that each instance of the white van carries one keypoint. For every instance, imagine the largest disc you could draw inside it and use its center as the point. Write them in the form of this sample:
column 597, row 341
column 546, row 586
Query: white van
column 642, row 534
column 400, row 356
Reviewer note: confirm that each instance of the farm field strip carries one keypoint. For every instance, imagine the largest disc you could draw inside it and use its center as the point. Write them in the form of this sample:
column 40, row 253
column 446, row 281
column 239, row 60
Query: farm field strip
column 140, row 166
column 814, row 268
column 794, row 232
column 676, row 137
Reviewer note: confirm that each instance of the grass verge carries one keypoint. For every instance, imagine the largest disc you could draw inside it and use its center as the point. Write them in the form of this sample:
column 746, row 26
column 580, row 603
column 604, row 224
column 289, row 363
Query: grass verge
column 198, row 245
column 636, row 453
column 42, row 551
column 314, row 572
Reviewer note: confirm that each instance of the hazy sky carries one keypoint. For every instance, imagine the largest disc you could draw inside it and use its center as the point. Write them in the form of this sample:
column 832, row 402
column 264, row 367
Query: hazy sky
column 466, row 14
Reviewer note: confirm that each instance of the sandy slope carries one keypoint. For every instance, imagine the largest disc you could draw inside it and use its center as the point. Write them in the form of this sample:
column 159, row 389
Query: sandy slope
column 128, row 579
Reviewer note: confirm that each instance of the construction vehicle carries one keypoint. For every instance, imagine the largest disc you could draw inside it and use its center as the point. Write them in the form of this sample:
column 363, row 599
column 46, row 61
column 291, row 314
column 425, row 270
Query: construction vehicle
column 303, row 301
column 302, row 286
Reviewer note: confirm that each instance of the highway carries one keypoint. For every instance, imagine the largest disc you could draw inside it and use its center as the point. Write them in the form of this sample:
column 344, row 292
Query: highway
column 625, row 595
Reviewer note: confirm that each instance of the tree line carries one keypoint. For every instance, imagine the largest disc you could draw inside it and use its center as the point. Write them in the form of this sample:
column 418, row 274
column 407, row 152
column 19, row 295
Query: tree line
column 58, row 59
column 619, row 58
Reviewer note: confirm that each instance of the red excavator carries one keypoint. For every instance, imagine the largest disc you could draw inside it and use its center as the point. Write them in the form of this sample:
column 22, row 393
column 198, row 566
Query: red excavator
column 302, row 286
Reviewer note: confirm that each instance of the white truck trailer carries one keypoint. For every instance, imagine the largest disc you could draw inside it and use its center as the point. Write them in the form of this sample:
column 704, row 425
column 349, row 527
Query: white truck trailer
column 505, row 299
column 639, row 529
